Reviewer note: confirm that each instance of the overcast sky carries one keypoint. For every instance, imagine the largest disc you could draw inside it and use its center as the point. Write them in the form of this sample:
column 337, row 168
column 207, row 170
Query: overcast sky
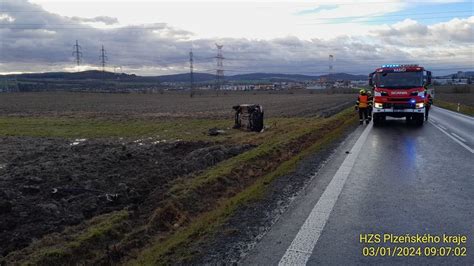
column 155, row 37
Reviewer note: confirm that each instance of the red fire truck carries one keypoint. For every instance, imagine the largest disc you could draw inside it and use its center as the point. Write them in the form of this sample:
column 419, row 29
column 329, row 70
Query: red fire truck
column 399, row 91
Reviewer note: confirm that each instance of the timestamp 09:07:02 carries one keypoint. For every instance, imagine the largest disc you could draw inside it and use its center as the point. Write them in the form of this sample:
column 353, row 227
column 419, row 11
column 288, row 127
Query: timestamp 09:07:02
column 376, row 251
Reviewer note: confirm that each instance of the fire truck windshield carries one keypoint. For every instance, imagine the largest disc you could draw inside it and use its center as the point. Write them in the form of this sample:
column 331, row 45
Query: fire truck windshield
column 399, row 79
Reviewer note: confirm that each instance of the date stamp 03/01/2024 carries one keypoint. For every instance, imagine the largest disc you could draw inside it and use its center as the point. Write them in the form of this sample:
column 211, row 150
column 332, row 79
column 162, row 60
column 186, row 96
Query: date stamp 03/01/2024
column 413, row 245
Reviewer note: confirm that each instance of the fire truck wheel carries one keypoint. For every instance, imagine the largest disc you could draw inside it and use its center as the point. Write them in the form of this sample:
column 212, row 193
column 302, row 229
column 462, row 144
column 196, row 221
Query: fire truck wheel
column 418, row 119
column 378, row 120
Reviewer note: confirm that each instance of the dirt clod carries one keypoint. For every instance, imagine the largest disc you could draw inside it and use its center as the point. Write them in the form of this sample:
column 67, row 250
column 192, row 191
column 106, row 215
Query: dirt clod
column 48, row 184
column 5, row 206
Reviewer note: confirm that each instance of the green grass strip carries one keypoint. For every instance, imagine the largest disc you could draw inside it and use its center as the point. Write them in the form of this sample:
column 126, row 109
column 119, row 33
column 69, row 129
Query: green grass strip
column 59, row 249
column 161, row 252
column 463, row 109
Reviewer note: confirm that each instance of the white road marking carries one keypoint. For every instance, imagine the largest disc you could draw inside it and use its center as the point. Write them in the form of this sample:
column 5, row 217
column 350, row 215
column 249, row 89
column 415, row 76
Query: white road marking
column 443, row 127
column 455, row 139
column 304, row 242
column 457, row 136
column 455, row 113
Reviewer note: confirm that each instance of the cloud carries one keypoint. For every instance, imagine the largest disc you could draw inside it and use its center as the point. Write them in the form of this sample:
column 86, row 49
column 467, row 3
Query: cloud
column 44, row 40
column 100, row 19
column 6, row 18
column 457, row 30
column 406, row 28
column 412, row 33
column 316, row 9
column 38, row 41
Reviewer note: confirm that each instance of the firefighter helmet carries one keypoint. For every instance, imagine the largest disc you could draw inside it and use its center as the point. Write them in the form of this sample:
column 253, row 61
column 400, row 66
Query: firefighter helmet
column 362, row 91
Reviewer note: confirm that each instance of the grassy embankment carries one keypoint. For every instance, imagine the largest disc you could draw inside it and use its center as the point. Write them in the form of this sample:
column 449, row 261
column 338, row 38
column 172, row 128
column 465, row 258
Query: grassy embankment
column 464, row 109
column 448, row 97
column 193, row 207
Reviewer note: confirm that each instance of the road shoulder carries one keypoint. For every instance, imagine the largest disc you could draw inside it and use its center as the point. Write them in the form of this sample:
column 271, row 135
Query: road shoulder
column 256, row 226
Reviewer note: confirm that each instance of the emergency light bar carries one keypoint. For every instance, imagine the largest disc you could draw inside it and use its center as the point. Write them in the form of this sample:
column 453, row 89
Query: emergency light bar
column 398, row 65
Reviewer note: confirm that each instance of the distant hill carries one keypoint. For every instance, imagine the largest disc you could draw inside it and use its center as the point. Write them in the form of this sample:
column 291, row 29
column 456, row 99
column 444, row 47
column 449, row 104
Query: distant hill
column 466, row 74
column 90, row 74
column 270, row 77
column 82, row 76
column 293, row 77
column 184, row 77
column 345, row 76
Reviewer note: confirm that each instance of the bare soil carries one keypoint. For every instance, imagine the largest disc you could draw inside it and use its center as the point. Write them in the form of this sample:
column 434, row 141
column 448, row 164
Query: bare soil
column 167, row 105
column 47, row 184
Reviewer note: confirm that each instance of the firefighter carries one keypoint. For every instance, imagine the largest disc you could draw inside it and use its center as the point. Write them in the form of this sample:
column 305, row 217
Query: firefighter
column 428, row 102
column 370, row 103
column 362, row 105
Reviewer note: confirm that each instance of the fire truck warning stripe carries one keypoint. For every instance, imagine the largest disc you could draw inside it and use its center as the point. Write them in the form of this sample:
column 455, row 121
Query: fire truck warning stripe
column 453, row 138
column 303, row 244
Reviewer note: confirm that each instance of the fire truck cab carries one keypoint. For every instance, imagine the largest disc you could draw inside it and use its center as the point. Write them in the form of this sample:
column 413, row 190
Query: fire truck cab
column 399, row 91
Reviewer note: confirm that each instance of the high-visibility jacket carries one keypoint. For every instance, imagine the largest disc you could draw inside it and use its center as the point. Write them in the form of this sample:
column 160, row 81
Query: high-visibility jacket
column 428, row 100
column 363, row 101
column 371, row 100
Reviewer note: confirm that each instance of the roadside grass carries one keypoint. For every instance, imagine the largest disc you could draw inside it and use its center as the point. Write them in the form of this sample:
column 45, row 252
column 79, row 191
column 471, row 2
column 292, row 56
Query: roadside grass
column 185, row 129
column 175, row 248
column 64, row 248
column 193, row 207
column 464, row 109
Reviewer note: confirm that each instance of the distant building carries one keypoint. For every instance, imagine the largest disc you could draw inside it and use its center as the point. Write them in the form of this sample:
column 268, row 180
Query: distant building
column 360, row 82
column 450, row 81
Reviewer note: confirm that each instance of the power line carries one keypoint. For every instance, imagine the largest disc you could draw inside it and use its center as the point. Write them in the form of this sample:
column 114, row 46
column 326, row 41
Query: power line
column 325, row 72
column 191, row 72
column 220, row 66
column 331, row 64
column 318, row 65
column 351, row 60
column 103, row 58
column 77, row 52
column 183, row 60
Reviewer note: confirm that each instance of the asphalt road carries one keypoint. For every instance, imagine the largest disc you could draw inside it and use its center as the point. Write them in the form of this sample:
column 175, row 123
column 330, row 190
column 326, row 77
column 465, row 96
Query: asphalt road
column 396, row 179
column 456, row 125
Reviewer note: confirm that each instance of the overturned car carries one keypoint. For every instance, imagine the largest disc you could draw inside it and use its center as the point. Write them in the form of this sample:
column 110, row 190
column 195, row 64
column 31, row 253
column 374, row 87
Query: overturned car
column 249, row 116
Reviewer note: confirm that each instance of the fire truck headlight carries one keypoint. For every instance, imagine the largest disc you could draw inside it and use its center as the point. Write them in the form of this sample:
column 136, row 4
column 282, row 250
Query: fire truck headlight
column 378, row 105
column 420, row 105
